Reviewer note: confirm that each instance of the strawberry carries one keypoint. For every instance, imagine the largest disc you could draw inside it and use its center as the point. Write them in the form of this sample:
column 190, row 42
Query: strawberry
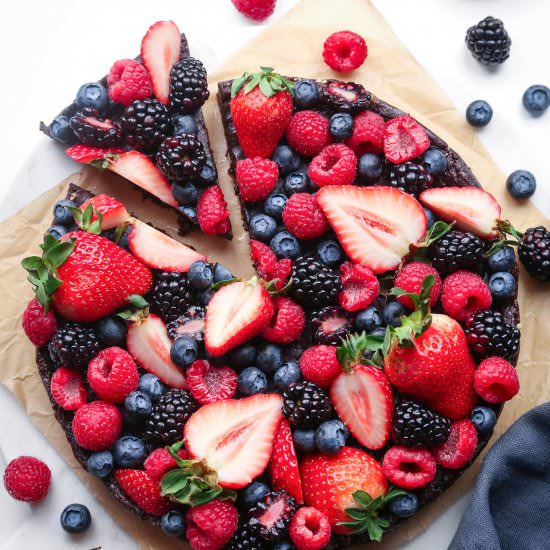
column 376, row 226
column 404, row 139
column 236, row 313
column 360, row 287
column 209, row 383
column 235, row 437
column 85, row 154
column 160, row 50
column 283, row 466
column 27, row 479
column 68, row 389
column 261, row 107
column 113, row 212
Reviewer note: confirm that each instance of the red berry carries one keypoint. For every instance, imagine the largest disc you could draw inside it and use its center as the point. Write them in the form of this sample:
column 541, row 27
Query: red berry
column 368, row 133
column 496, row 380
column 404, row 139
column 281, row 272
column 263, row 258
column 211, row 525
column 38, row 326
column 27, row 479
column 144, row 491
column 411, row 277
column 212, row 212
column 464, row 293
column 320, row 365
column 256, row 178
column 309, row 529
column 409, row 468
column 344, row 51
column 287, row 322
column 336, row 164
column 113, row 374
column 96, row 425
column 208, row 383
column 307, row 133
column 303, row 217
column 68, row 389
column 257, row 10
column 360, row 286
column 460, row 446
column 160, row 461
column 129, row 80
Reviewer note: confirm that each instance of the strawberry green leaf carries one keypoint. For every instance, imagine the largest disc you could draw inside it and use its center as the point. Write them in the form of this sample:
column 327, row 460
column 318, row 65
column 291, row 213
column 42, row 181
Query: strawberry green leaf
column 119, row 231
column 252, row 83
column 137, row 301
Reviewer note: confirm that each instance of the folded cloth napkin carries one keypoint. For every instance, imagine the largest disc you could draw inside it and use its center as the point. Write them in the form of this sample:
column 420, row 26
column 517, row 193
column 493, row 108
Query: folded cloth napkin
column 510, row 505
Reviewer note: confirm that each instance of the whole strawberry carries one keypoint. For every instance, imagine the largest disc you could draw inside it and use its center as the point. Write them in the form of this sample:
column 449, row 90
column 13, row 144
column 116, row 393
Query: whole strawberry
column 27, row 479
column 144, row 491
column 261, row 107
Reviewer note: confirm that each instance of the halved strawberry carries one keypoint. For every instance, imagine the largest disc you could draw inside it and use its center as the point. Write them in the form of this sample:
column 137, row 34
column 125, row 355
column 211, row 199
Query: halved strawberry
column 235, row 437
column 375, row 225
column 148, row 342
column 114, row 212
column 209, row 383
column 68, row 389
column 160, row 251
column 160, row 49
column 360, row 287
column 471, row 208
column 235, row 314
column 86, row 153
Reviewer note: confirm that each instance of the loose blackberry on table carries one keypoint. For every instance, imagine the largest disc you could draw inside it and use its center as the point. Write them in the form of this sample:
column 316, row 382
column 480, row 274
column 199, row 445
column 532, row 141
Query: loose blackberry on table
column 489, row 42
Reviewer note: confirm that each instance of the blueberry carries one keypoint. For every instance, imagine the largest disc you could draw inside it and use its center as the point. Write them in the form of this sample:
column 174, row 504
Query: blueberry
column 431, row 217
column 189, row 213
column 100, row 464
column 287, row 160
column 378, row 332
column 483, row 418
column 479, row 113
column 521, row 184
column 243, row 356
column 75, row 518
column 405, row 505
column 283, row 545
column 296, row 182
column 304, row 441
column 151, row 385
column 391, row 314
column 92, row 94
column 262, row 227
column 184, row 124
column 185, row 193
column 504, row 259
column 208, row 175
column 173, row 523
column 536, row 99
column 269, row 358
column 368, row 319
column 502, row 285
column 435, row 161
column 138, row 404
column 60, row 128
column 253, row 493
column 370, row 167
column 129, row 451
column 184, row 351
column 221, row 273
column 274, row 205
column 285, row 245
column 112, row 331
column 340, row 126
column 306, row 93
column 330, row 253
column 61, row 213
column 331, row 436
column 252, row 381
column 57, row 231
column 200, row 275
column 286, row 374
column 204, row 296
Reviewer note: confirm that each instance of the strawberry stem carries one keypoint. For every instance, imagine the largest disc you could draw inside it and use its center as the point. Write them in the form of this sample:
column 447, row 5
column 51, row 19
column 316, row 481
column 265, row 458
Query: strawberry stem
column 84, row 219
column 269, row 82
column 504, row 227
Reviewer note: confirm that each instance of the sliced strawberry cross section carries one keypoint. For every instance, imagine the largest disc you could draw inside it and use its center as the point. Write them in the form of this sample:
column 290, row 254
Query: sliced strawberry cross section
column 114, row 212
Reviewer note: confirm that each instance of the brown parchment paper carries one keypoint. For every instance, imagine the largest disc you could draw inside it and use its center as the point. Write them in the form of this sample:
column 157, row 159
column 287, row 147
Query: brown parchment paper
column 293, row 46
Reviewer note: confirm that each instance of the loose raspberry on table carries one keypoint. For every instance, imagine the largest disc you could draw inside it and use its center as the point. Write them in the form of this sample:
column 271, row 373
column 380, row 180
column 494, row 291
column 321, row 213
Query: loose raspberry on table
column 211, row 525
column 97, row 425
column 320, row 365
column 27, row 479
column 368, row 134
column 287, row 322
column 257, row 10
column 344, row 51
column 464, row 293
column 409, row 468
column 404, row 139
column 209, row 383
column 129, row 80
column 307, row 133
column 336, row 164
column 360, row 286
column 303, row 217
column 309, row 529
column 410, row 279
column 496, row 380
column 68, row 389
column 263, row 258
column 212, row 212
column 460, row 446
column 256, row 178
column 38, row 325
column 161, row 461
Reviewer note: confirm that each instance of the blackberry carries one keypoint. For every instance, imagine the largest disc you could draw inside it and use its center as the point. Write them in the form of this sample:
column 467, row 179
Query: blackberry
column 457, row 250
column 246, row 539
column 190, row 323
column 330, row 325
column 188, row 86
column 489, row 334
column 489, row 41
column 347, row 97
column 165, row 425
column 315, row 284
column 306, row 405
column 171, row 295
column 74, row 345
column 181, row 157
column 417, row 426
column 272, row 515
column 534, row 253
column 95, row 131
column 145, row 123
column 409, row 176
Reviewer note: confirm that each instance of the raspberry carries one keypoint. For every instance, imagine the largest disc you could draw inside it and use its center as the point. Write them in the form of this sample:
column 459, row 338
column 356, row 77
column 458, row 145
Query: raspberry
column 208, row 383
column 256, row 178
column 68, row 389
column 113, row 374
column 160, row 461
column 287, row 322
column 409, row 468
column 211, row 525
column 320, row 365
column 309, row 529
column 281, row 272
column 410, row 279
column 496, row 380
column 368, row 134
column 303, row 217
column 464, row 293
column 263, row 258
column 97, row 425
column 344, row 51
column 212, row 212
column 27, row 479
column 129, row 80
column 336, row 164
column 38, row 325
column 257, row 10
column 404, row 139
column 459, row 448
column 360, row 286
column 307, row 133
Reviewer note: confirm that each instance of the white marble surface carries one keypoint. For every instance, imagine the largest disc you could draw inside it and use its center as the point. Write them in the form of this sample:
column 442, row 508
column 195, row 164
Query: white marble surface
column 50, row 48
